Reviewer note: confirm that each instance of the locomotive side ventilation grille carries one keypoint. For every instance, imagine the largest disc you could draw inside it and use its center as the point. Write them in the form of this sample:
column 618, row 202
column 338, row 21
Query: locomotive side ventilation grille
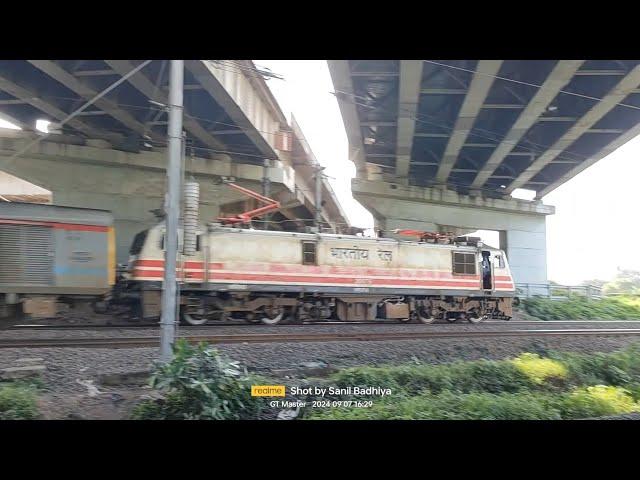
column 26, row 255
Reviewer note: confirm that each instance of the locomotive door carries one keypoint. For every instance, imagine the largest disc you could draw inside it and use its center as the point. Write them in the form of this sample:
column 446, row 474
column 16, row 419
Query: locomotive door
column 487, row 271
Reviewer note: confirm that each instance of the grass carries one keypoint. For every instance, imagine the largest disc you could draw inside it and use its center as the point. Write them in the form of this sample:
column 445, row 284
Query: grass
column 578, row 307
column 580, row 403
column 18, row 402
column 529, row 387
column 464, row 377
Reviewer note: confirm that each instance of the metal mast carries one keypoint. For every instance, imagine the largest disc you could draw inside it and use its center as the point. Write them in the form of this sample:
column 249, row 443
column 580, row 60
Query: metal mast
column 172, row 208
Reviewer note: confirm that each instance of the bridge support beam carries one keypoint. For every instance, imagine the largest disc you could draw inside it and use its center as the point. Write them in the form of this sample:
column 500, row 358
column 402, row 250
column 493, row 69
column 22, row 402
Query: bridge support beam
column 521, row 223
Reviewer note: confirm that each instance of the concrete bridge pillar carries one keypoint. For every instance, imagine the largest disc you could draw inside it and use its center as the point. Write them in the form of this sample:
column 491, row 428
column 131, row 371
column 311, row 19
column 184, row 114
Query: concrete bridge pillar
column 521, row 223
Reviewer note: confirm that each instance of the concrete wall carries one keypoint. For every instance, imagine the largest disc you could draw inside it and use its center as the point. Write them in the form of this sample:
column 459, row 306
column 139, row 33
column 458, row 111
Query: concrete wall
column 10, row 185
column 522, row 224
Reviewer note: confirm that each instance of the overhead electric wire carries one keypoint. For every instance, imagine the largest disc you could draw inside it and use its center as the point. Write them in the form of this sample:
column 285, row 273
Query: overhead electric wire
column 264, row 71
column 156, row 89
column 525, row 83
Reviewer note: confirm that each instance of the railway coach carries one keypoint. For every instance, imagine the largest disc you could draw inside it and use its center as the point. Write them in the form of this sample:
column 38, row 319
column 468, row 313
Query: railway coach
column 268, row 276
column 50, row 253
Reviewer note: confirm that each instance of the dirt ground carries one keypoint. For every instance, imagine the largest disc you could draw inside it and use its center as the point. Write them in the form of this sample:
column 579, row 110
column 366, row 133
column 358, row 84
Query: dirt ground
column 109, row 404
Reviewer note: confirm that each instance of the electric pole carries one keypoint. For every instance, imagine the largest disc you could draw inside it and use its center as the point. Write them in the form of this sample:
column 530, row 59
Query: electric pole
column 318, row 200
column 172, row 208
column 266, row 187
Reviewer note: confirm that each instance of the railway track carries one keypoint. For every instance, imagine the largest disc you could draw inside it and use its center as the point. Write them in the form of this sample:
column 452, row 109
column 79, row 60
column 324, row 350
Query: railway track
column 153, row 341
column 42, row 327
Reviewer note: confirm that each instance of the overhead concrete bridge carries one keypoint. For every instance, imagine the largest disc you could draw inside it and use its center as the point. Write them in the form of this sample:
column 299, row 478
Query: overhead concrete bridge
column 112, row 155
column 442, row 144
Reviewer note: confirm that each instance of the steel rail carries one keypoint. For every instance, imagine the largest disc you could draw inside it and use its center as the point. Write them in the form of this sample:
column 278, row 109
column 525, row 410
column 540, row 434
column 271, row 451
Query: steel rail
column 99, row 326
column 153, row 341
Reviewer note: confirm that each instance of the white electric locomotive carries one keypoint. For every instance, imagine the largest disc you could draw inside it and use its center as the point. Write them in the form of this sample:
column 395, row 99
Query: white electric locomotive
column 271, row 276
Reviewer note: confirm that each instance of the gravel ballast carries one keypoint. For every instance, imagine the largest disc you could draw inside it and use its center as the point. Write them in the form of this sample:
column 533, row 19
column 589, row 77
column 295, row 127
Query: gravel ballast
column 66, row 368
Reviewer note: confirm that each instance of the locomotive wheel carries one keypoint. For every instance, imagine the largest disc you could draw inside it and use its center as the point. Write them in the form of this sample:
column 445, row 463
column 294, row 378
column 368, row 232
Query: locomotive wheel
column 426, row 319
column 272, row 315
column 194, row 319
column 475, row 318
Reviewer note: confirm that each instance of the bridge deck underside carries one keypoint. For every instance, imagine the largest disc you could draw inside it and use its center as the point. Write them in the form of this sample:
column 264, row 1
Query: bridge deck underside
column 491, row 126
column 127, row 117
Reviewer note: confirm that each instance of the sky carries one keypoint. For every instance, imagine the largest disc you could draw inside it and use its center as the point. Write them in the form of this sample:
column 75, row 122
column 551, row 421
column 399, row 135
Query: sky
column 596, row 225
column 597, row 222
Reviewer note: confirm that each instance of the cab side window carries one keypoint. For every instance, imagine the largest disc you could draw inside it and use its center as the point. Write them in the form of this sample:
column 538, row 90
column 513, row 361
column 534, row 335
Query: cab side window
column 500, row 261
column 309, row 253
column 464, row 263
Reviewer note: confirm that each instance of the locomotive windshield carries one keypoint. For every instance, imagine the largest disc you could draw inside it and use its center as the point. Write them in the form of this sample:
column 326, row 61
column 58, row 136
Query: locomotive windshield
column 138, row 242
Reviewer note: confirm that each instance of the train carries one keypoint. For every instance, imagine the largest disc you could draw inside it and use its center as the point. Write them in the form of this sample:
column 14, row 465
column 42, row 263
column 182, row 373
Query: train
column 51, row 254
column 63, row 254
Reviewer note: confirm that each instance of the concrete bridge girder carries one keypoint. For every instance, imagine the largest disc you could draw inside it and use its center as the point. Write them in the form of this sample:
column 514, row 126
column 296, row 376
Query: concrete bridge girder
column 522, row 224
column 129, row 184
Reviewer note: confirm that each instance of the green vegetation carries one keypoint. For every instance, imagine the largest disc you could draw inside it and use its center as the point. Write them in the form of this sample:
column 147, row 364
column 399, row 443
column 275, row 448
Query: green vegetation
column 18, row 402
column 579, row 307
column 200, row 384
column 581, row 403
column 479, row 376
column 562, row 386
column 597, row 401
column 625, row 282
column 539, row 369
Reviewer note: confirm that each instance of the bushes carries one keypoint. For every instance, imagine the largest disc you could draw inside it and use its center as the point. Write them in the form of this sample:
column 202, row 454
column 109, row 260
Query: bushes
column 565, row 386
column 619, row 368
column 200, row 384
column 464, row 377
column 597, row 401
column 581, row 403
column 450, row 406
column 578, row 307
column 539, row 369
column 17, row 403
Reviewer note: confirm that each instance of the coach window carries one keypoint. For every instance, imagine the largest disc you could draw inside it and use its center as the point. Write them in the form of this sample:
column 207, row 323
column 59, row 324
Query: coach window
column 308, row 253
column 464, row 263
